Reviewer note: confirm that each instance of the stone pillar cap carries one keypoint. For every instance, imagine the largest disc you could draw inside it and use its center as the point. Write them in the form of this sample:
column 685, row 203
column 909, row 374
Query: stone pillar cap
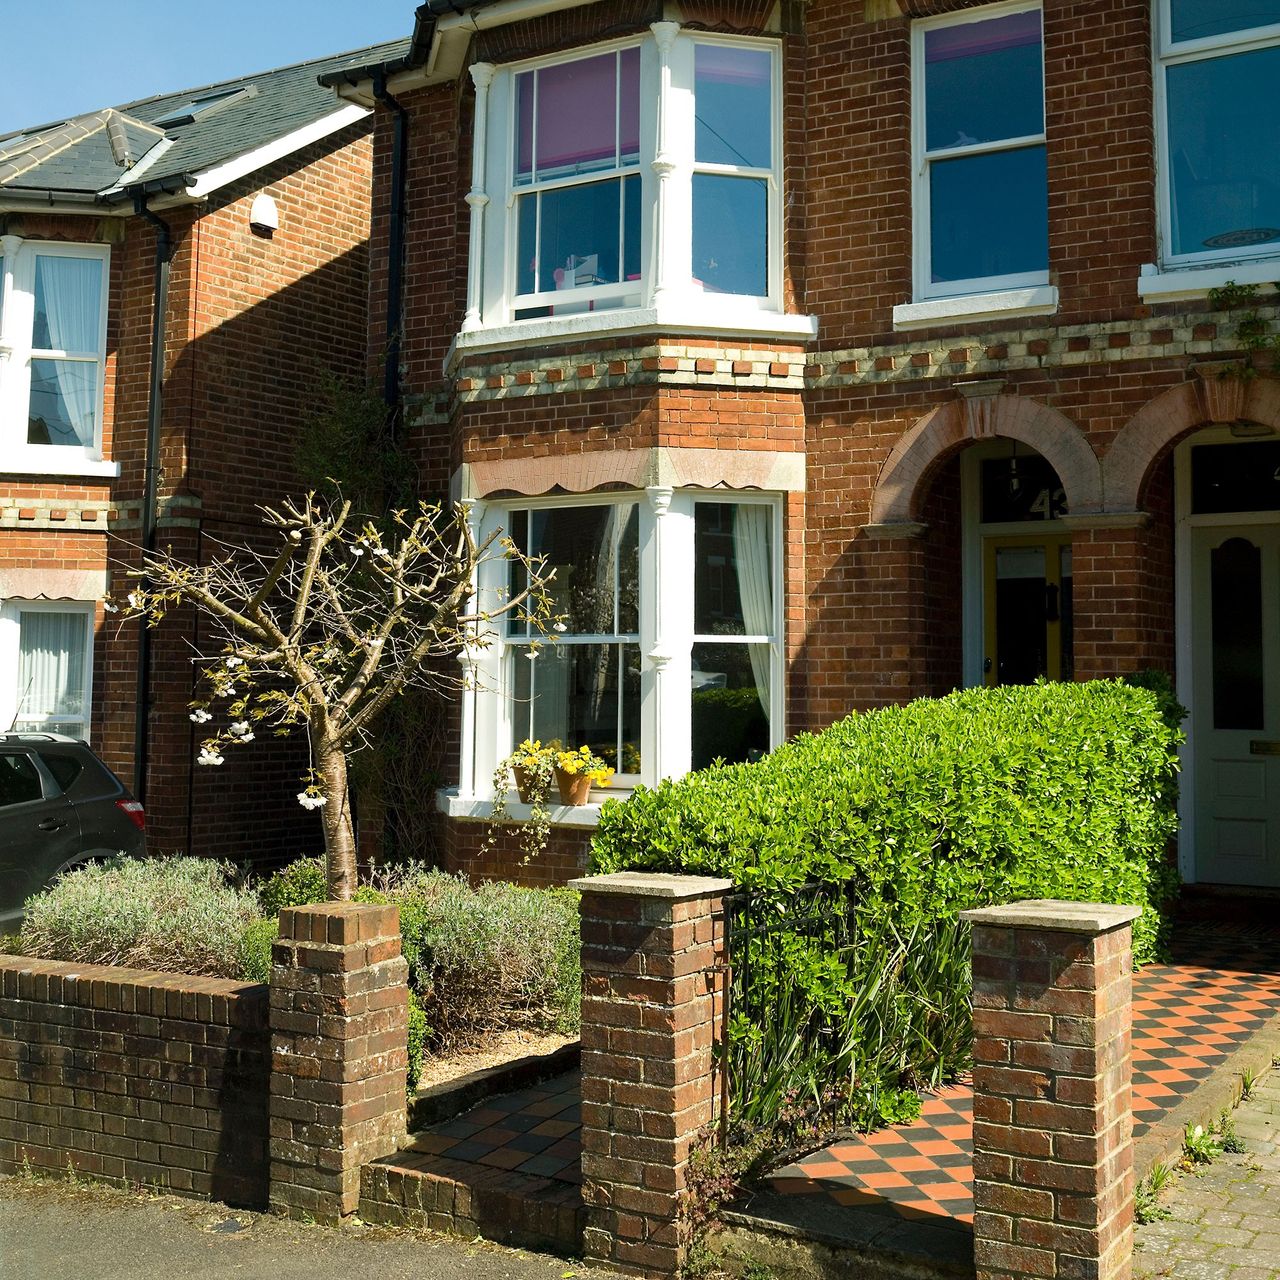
column 1054, row 914
column 639, row 884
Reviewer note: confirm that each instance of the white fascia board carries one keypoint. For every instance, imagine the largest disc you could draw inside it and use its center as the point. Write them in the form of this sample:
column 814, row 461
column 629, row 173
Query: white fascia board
column 222, row 175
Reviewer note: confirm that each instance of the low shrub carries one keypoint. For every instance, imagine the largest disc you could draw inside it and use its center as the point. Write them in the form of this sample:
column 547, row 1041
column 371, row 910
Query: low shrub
column 255, row 948
column 298, row 885
column 892, row 822
column 418, row 1033
column 488, row 958
column 183, row 915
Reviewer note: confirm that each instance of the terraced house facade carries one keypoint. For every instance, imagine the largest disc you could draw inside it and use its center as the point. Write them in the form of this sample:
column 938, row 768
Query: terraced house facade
column 178, row 274
column 838, row 353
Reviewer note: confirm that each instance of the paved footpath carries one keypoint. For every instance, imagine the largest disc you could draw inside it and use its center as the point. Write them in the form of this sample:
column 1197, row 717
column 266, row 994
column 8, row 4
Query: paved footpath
column 96, row 1233
column 1225, row 1220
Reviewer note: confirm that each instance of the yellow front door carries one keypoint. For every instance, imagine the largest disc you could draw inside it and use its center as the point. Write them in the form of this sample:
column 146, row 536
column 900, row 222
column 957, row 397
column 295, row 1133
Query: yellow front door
column 1027, row 608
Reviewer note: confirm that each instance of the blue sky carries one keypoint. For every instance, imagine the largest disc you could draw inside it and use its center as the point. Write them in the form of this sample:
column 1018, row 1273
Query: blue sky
column 63, row 57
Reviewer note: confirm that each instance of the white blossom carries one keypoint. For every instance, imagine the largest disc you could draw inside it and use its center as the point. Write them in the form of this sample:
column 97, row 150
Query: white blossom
column 559, row 627
column 233, row 662
column 382, row 551
column 309, row 800
column 109, row 607
column 208, row 755
column 238, row 728
column 137, row 600
column 357, row 551
column 199, row 716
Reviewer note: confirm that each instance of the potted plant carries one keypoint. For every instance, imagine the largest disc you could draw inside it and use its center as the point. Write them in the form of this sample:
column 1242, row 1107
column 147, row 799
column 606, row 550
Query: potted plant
column 577, row 772
column 532, row 766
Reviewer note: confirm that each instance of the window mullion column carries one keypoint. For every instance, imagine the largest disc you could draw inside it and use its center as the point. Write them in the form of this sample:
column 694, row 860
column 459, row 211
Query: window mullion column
column 666, row 633
column 672, row 166
column 15, row 342
column 477, row 198
column 485, row 710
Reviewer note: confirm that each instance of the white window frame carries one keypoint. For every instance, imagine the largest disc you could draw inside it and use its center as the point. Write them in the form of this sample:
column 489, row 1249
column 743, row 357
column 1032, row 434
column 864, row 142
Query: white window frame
column 1167, row 54
column 17, row 319
column 667, row 293
column 925, row 289
column 10, row 648
column 666, row 639
column 516, row 191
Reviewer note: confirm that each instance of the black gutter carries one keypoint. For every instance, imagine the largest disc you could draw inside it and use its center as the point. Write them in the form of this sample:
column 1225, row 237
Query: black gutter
column 151, row 486
column 395, row 253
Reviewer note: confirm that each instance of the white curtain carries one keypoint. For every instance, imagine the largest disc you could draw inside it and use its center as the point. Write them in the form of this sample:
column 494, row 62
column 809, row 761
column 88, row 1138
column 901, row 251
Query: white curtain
column 51, row 672
column 68, row 318
column 752, row 528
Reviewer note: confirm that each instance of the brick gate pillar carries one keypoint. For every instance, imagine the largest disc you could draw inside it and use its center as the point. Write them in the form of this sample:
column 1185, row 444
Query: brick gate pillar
column 650, row 1012
column 1052, row 1119
column 339, row 1015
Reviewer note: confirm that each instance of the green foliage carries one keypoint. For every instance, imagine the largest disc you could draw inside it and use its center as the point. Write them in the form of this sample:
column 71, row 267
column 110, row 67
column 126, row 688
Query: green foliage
column 1253, row 330
column 896, row 820
column 1248, row 1082
column 255, row 948
column 418, row 1032
column 486, row 958
column 1199, row 1145
column 183, row 915
column 1231, row 1141
column 348, row 445
column 1146, row 1202
column 298, row 885
column 491, row 957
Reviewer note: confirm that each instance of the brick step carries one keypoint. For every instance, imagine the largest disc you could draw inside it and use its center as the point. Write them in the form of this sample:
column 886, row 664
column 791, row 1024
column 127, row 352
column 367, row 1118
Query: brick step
column 417, row 1189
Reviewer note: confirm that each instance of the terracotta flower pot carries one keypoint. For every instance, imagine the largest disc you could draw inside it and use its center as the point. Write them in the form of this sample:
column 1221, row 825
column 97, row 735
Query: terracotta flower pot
column 526, row 784
column 575, row 788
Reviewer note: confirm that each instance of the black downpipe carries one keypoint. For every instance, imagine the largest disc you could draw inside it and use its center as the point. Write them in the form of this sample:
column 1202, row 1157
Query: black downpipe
column 151, row 487
column 395, row 253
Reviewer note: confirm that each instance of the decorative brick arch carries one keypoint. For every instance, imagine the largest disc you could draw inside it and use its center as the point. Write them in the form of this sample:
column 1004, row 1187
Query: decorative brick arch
column 903, row 480
column 1160, row 423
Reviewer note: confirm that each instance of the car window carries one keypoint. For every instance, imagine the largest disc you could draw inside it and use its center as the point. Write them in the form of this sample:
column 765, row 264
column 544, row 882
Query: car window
column 65, row 769
column 19, row 780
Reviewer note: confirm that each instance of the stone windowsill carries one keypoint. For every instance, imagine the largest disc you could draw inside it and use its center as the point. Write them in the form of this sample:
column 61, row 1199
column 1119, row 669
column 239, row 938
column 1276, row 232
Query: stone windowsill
column 55, row 463
column 1184, row 284
column 1004, row 304
column 569, row 816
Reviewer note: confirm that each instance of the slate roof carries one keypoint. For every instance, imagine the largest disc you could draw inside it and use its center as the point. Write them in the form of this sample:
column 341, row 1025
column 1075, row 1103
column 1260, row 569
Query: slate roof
column 164, row 140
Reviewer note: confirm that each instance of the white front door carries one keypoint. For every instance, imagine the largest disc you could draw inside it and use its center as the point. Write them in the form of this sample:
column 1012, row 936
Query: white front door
column 1235, row 598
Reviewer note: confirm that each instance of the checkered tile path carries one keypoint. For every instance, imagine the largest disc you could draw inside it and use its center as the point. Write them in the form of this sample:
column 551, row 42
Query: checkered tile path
column 536, row 1131
column 1187, row 1017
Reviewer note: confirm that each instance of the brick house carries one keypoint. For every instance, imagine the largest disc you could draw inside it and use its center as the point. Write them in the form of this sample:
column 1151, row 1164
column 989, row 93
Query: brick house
column 841, row 353
column 243, row 207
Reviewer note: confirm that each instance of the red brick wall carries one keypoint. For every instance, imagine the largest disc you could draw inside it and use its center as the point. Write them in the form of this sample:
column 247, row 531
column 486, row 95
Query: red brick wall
column 134, row 1077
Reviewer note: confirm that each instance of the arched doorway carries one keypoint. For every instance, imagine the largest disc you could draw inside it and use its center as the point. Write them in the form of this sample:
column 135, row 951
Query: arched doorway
column 1018, row 572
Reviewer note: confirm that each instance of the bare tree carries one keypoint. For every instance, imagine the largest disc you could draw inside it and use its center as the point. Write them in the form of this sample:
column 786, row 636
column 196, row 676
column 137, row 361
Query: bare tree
column 343, row 619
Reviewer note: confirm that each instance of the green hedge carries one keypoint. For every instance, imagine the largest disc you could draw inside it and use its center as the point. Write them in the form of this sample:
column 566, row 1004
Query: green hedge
column 903, row 817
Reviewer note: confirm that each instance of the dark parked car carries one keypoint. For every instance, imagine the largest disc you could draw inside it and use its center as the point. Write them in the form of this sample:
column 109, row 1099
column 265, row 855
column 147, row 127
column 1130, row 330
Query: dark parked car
column 60, row 807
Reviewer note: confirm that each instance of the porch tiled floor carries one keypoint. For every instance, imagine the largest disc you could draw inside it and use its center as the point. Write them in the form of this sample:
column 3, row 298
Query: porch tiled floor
column 1188, row 1016
column 1223, row 986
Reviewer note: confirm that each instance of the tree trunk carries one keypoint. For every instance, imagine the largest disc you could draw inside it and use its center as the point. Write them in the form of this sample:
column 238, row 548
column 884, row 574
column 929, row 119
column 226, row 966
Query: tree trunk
column 339, row 838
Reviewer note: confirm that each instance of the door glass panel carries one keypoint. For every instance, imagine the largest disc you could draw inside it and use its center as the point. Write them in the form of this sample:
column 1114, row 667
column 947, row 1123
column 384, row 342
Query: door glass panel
column 1068, row 671
column 1235, row 477
column 1235, row 572
column 1021, row 616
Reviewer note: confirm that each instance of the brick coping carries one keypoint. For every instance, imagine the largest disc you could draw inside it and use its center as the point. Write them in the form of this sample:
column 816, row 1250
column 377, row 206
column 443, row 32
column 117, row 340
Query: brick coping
column 78, row 979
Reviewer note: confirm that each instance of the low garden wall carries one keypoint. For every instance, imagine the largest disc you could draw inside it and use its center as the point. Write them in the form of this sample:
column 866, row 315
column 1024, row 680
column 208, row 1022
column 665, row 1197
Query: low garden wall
column 135, row 1077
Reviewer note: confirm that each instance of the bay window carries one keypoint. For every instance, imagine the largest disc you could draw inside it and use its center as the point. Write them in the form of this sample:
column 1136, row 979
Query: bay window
column 642, row 177
column 53, row 300
column 670, row 656
column 1217, row 79
column 981, row 184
